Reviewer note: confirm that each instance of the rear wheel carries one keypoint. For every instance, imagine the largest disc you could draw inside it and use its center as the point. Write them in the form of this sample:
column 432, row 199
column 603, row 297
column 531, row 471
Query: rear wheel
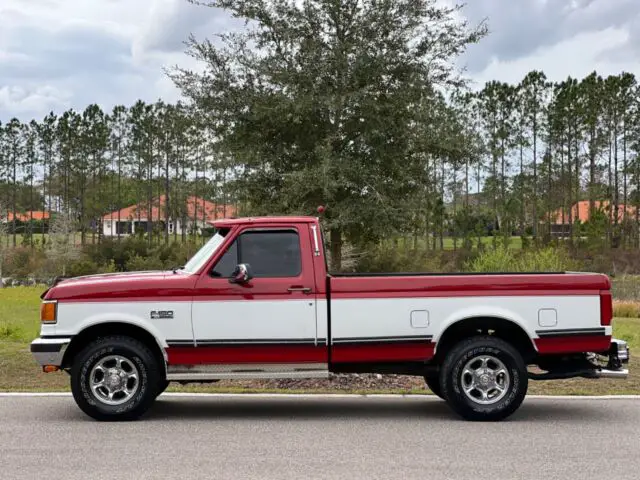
column 115, row 378
column 484, row 378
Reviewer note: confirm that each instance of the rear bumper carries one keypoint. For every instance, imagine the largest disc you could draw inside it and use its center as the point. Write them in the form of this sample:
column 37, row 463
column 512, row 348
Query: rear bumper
column 49, row 351
column 618, row 357
column 611, row 363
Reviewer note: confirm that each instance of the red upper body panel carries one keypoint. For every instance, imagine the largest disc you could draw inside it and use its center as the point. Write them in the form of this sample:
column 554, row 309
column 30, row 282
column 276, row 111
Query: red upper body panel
column 182, row 286
column 468, row 285
column 123, row 286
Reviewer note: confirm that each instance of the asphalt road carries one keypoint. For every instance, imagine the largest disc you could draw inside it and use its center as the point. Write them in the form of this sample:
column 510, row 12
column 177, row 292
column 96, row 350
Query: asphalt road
column 346, row 438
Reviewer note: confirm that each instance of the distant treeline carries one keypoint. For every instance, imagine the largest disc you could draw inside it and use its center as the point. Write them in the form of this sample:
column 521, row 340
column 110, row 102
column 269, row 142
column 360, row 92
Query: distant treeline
column 358, row 106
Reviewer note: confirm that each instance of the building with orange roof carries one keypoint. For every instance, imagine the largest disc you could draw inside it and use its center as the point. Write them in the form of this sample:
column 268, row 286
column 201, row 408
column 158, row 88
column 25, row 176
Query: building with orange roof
column 198, row 214
column 580, row 211
column 26, row 216
column 560, row 224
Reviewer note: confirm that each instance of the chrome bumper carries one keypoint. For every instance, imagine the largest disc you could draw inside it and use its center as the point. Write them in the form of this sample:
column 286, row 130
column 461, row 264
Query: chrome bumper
column 618, row 356
column 49, row 351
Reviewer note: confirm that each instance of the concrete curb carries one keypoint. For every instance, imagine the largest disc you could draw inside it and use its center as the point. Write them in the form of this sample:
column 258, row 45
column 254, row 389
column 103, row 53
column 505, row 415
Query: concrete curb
column 326, row 395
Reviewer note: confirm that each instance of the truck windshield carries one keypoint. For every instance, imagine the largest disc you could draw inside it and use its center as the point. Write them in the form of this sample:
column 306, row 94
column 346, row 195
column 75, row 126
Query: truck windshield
column 200, row 258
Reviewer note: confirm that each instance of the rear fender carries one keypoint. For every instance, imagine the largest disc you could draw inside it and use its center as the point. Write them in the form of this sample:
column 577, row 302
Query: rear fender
column 484, row 312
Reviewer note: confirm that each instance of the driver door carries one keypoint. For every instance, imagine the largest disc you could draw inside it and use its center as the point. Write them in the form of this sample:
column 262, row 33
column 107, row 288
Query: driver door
column 268, row 320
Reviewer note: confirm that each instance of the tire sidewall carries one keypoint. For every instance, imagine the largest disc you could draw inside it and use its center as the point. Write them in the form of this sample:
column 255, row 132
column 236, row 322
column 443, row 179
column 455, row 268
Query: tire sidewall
column 433, row 383
column 81, row 378
column 518, row 382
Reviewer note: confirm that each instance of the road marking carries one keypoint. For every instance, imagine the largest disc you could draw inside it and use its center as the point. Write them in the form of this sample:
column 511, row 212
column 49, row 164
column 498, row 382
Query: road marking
column 327, row 395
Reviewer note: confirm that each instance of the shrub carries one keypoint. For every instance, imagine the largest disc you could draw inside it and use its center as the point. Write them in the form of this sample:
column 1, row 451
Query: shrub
column 549, row 259
column 499, row 260
column 502, row 259
column 626, row 309
column 23, row 262
column 82, row 267
column 626, row 287
column 139, row 264
column 109, row 267
column 387, row 258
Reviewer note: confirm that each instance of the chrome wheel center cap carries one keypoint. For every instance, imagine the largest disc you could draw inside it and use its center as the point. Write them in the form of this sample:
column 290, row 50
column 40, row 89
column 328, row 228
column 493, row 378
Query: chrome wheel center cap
column 485, row 379
column 114, row 380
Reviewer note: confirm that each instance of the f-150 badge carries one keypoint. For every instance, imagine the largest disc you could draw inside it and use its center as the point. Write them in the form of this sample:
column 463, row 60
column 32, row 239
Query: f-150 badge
column 155, row 314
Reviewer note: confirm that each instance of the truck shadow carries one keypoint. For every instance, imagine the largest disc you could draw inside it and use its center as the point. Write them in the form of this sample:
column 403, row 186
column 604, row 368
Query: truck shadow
column 175, row 408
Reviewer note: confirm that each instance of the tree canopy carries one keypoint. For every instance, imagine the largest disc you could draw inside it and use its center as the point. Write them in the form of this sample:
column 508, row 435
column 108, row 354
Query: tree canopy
column 326, row 102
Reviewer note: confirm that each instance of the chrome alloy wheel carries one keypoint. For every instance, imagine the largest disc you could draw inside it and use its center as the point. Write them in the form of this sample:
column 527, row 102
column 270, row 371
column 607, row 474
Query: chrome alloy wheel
column 485, row 380
column 114, row 380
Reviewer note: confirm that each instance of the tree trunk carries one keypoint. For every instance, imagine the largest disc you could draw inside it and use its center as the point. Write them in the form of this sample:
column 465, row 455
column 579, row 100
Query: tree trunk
column 13, row 200
column 522, row 202
column 610, row 187
column 616, row 185
column 564, row 198
column 592, row 170
column 624, row 181
column 167, row 203
column 119, row 196
column 535, row 173
column 570, row 189
column 336, row 249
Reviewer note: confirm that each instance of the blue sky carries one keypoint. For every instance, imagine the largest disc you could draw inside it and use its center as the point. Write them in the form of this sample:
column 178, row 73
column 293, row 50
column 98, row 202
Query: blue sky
column 57, row 54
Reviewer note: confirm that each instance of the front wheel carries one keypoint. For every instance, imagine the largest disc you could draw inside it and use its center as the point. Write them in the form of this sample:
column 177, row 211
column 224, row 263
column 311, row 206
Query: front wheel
column 162, row 386
column 115, row 378
column 484, row 378
column 433, row 382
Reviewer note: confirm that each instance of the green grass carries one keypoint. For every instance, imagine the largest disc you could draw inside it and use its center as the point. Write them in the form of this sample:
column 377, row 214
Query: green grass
column 19, row 313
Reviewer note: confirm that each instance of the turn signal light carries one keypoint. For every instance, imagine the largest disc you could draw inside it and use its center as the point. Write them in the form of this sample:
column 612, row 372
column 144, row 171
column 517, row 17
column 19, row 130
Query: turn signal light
column 50, row 368
column 48, row 312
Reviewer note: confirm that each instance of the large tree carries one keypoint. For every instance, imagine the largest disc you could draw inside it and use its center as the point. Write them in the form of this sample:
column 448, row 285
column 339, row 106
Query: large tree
column 317, row 102
column 535, row 89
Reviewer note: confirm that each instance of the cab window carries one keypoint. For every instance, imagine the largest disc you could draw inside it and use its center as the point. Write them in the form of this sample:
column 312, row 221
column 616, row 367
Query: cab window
column 270, row 254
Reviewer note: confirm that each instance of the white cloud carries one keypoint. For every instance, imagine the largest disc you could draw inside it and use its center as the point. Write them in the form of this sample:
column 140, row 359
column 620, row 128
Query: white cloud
column 520, row 28
column 21, row 100
column 57, row 54
column 576, row 57
column 108, row 52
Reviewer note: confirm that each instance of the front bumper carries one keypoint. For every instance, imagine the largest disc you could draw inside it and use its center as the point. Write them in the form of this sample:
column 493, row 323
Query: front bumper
column 49, row 351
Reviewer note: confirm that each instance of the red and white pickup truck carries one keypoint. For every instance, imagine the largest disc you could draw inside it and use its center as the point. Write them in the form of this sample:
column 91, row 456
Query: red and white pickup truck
column 257, row 302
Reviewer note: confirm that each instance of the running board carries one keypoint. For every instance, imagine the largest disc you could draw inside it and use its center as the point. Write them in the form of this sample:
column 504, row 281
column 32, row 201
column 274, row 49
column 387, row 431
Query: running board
column 195, row 373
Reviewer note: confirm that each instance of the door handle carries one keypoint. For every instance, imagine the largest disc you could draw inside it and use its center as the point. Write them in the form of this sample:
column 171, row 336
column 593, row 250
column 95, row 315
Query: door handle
column 299, row 289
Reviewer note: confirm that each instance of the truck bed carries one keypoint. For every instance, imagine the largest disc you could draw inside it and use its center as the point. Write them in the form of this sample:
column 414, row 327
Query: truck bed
column 431, row 284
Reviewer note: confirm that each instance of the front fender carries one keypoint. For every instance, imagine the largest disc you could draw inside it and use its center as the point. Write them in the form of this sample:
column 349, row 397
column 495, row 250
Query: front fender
column 102, row 318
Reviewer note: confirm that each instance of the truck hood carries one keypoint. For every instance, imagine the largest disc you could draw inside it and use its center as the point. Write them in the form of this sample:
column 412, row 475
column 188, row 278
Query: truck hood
column 125, row 285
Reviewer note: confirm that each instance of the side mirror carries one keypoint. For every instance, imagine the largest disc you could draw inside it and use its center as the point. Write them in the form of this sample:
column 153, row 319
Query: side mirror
column 241, row 274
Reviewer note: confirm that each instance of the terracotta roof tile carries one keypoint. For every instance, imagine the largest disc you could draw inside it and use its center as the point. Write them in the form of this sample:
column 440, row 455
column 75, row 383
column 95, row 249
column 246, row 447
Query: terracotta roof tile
column 194, row 207
column 26, row 216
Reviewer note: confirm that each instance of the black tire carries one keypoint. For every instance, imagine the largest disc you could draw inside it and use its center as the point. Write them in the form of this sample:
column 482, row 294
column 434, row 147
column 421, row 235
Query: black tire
column 134, row 351
column 433, row 382
column 451, row 378
column 162, row 386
